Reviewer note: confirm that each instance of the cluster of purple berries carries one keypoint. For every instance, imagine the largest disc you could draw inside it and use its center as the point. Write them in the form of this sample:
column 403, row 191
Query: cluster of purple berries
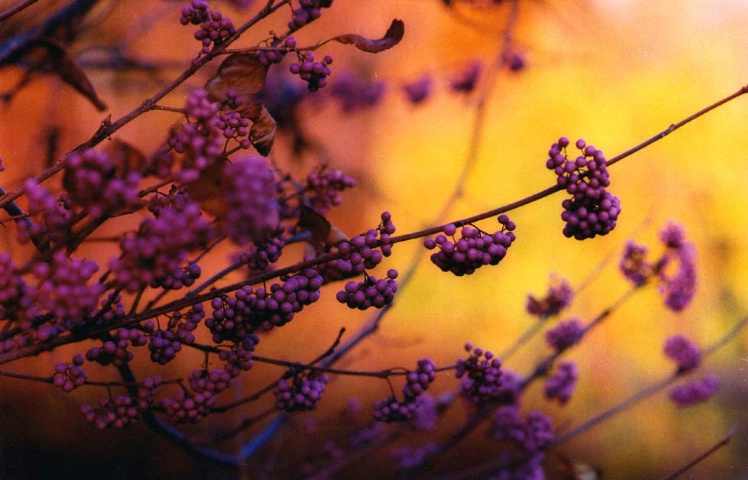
column 558, row 297
column 214, row 27
column 70, row 376
column 362, row 252
column 214, row 381
column 238, row 358
column 302, row 393
column 235, row 126
column 694, row 392
column 561, row 385
column 533, row 433
column 53, row 217
column 269, row 57
column 591, row 210
column 308, row 11
column 474, row 249
column 186, row 406
column 482, row 375
column 565, row 334
column 417, row 382
column 370, row 292
column 312, row 72
column 114, row 350
column 267, row 250
column 324, row 187
column 91, row 180
column 122, row 411
column 183, row 277
column 234, row 318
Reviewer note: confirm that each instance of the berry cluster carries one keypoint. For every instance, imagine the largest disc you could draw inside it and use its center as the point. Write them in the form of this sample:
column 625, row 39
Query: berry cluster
column 561, row 385
column 678, row 287
column 369, row 293
column 634, row 264
column 115, row 351
column 65, row 290
column 183, row 277
column 533, row 433
column 269, row 57
column 565, row 334
column 235, row 126
column 409, row 457
column 69, row 376
column 200, row 141
column 184, row 324
column 214, row 381
column 474, row 249
column 302, row 393
column 92, row 182
column 361, row 252
column 695, row 392
column 684, row 352
column 354, row 92
column 164, row 346
column 53, row 217
column 558, row 297
column 591, row 210
column 418, row 90
column 324, row 187
column 312, row 72
column 234, row 318
column 482, row 375
column 214, row 27
column 186, row 406
column 267, row 250
column 308, row 11
column 120, row 412
column 417, row 382
column 238, row 358
column 249, row 192
column 15, row 294
column 160, row 246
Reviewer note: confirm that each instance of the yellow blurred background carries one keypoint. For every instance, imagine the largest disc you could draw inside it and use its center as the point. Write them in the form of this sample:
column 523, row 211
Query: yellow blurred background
column 612, row 72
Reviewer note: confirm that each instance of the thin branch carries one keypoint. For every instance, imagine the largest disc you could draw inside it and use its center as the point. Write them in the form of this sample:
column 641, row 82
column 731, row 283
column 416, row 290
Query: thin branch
column 13, row 9
column 702, row 456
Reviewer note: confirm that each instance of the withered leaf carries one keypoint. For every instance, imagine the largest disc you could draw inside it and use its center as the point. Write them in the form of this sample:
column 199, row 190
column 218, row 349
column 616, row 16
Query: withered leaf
column 262, row 133
column 391, row 38
column 208, row 189
column 126, row 158
column 322, row 234
column 241, row 71
column 63, row 64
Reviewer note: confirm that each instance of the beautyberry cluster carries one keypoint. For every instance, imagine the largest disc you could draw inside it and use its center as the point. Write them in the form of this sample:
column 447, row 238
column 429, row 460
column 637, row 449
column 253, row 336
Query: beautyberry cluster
column 694, row 392
column 302, row 393
column 267, row 250
column 249, row 191
column 91, row 180
column 234, row 318
column 474, row 249
column 684, row 352
column 238, row 357
column 417, row 382
column 308, row 11
column 482, row 375
column 269, row 57
column 69, row 376
column 533, row 433
column 214, row 27
column 119, row 412
column 324, row 187
column 186, row 406
column 558, row 297
column 591, row 210
column 369, row 293
column 561, row 385
column 312, row 72
column 362, row 252
column 565, row 334
column 114, row 350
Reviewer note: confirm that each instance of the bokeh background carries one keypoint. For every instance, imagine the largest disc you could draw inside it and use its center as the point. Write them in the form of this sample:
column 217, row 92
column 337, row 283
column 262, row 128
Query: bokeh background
column 614, row 72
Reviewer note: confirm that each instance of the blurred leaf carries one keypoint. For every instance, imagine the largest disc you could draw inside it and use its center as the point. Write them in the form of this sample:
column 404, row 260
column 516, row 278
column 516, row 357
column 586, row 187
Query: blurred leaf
column 45, row 54
column 323, row 234
column 241, row 71
column 207, row 190
column 125, row 157
column 391, row 38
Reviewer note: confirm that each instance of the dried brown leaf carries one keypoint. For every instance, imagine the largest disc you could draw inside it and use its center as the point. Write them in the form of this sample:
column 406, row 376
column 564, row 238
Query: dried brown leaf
column 125, row 157
column 323, row 234
column 391, row 38
column 262, row 133
column 47, row 52
column 241, row 71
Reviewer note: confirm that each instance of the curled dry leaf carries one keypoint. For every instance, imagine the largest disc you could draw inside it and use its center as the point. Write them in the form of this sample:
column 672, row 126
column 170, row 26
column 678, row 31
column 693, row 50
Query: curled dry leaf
column 241, row 71
column 391, row 38
column 207, row 190
column 125, row 157
column 262, row 133
column 44, row 54
column 322, row 234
